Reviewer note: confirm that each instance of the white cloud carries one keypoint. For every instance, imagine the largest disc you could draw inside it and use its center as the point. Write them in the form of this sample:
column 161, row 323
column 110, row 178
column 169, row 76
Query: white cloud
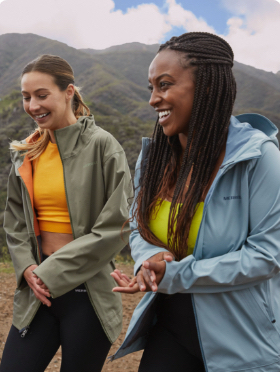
column 96, row 24
column 179, row 17
column 92, row 24
column 254, row 32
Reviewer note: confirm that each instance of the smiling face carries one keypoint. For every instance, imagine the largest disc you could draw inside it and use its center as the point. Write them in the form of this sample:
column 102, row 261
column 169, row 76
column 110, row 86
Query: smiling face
column 45, row 102
column 172, row 92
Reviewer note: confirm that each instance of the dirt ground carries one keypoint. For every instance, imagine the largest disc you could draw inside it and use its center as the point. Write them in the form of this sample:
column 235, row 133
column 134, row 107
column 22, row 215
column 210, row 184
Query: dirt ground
column 129, row 363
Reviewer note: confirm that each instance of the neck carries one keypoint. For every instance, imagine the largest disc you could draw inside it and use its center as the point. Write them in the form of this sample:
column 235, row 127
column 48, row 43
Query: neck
column 183, row 138
column 66, row 123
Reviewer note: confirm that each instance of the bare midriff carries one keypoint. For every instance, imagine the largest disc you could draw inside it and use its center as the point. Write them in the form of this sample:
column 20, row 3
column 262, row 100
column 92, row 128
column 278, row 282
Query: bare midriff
column 53, row 241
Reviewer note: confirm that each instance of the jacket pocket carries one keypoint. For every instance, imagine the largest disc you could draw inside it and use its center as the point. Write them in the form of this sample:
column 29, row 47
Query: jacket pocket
column 268, row 303
column 264, row 316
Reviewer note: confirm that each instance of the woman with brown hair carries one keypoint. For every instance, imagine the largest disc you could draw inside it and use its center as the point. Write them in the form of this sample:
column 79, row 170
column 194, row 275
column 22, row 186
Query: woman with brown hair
column 208, row 196
column 67, row 200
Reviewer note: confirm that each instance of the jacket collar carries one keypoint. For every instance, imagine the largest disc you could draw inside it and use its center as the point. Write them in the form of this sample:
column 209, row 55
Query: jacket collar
column 73, row 138
column 70, row 140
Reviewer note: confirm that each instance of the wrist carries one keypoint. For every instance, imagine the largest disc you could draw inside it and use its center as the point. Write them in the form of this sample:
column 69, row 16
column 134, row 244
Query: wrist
column 29, row 269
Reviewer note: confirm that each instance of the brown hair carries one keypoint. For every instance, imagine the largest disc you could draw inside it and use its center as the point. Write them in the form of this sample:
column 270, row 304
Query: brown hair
column 63, row 75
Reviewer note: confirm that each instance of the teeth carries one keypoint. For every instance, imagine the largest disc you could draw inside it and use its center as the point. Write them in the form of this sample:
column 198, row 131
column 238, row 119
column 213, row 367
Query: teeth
column 164, row 113
column 41, row 116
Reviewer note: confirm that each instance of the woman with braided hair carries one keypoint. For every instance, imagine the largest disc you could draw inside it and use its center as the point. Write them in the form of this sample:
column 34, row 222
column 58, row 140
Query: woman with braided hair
column 67, row 201
column 205, row 222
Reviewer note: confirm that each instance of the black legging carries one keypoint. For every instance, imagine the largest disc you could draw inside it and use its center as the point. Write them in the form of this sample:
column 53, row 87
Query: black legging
column 173, row 343
column 70, row 322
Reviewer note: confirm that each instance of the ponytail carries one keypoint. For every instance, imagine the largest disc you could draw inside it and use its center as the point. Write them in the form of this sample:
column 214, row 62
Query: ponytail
column 79, row 107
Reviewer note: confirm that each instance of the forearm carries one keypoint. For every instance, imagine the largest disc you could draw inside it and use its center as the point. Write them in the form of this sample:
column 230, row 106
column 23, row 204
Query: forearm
column 232, row 271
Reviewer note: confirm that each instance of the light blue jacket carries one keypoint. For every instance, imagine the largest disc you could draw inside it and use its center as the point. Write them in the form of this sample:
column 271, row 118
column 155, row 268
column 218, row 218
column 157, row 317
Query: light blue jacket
column 233, row 274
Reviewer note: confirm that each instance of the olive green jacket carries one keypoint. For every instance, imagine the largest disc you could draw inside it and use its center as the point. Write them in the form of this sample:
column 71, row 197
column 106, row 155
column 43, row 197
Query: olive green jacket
column 98, row 187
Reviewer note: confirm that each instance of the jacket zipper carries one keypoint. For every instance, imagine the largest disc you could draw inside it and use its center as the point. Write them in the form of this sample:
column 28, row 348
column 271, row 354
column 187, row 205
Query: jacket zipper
column 32, row 220
column 66, row 194
column 24, row 330
column 71, row 221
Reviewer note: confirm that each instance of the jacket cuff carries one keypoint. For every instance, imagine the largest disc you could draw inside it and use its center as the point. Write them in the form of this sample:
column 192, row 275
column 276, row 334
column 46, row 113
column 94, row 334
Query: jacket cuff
column 146, row 256
column 165, row 284
column 21, row 282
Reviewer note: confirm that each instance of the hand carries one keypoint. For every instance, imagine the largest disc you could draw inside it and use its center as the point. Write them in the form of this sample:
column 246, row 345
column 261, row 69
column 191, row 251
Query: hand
column 158, row 268
column 126, row 285
column 41, row 284
column 40, row 290
column 147, row 278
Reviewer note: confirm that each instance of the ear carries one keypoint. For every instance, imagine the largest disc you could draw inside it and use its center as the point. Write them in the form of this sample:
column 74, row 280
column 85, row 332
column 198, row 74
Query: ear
column 70, row 91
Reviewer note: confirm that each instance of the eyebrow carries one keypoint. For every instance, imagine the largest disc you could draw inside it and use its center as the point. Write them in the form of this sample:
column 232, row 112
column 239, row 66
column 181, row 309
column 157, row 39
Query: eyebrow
column 162, row 75
column 36, row 91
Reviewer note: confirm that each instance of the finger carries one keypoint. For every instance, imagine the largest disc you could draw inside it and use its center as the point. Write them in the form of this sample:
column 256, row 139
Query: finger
column 124, row 276
column 115, row 274
column 40, row 290
column 118, row 272
column 43, row 287
column 41, row 284
column 120, row 281
column 128, row 290
column 147, row 277
column 46, row 292
column 149, row 274
column 133, row 281
column 156, row 266
column 117, row 278
column 153, row 275
column 168, row 257
column 121, row 276
column 42, row 298
column 140, row 281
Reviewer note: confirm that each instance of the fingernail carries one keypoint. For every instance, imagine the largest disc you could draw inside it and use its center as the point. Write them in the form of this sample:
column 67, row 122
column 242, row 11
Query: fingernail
column 142, row 288
column 154, row 288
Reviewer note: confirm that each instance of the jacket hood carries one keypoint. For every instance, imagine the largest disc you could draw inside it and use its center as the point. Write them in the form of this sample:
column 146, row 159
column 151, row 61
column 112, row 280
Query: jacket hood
column 247, row 132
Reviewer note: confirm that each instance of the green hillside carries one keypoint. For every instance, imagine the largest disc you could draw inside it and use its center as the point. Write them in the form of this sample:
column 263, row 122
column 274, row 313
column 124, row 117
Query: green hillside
column 114, row 85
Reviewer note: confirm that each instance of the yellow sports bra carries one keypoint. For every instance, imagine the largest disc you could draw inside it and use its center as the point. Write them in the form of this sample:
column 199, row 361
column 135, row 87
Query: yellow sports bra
column 49, row 192
column 159, row 223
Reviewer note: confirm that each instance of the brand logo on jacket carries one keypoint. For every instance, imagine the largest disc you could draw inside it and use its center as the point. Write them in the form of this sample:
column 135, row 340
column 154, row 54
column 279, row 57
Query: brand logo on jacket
column 232, row 197
column 89, row 164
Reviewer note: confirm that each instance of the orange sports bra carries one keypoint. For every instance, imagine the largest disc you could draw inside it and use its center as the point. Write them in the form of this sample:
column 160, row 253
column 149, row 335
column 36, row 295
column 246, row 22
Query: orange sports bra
column 49, row 192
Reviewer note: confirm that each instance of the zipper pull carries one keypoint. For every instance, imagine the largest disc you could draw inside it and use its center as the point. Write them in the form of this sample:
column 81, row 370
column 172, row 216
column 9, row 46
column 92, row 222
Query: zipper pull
column 24, row 331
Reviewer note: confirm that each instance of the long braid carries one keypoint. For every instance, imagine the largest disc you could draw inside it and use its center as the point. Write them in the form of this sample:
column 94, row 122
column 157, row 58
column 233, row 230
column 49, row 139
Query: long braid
column 211, row 58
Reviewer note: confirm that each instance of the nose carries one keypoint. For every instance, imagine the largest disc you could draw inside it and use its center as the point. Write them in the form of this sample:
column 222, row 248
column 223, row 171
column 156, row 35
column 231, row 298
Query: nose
column 33, row 105
column 155, row 98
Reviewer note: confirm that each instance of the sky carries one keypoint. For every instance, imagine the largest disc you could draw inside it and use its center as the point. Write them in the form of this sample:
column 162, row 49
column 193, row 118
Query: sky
column 252, row 27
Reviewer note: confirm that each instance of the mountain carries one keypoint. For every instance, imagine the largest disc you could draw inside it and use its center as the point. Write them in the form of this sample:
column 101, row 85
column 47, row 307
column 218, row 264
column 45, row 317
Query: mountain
column 114, row 85
column 116, row 78
column 130, row 47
